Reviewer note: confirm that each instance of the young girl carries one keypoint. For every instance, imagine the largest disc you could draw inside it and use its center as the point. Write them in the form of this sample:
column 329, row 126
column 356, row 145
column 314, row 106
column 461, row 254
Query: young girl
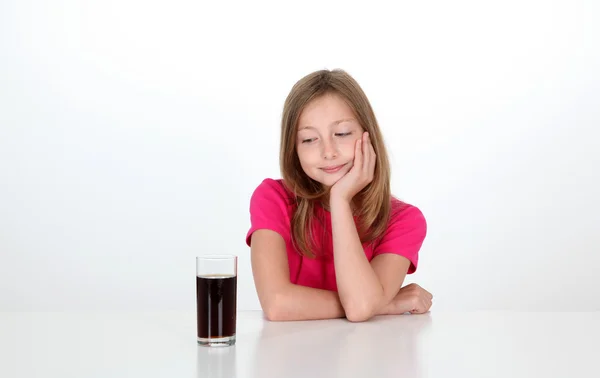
column 328, row 240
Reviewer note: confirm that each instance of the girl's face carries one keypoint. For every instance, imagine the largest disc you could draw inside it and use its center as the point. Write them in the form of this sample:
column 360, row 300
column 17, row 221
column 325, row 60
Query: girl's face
column 326, row 138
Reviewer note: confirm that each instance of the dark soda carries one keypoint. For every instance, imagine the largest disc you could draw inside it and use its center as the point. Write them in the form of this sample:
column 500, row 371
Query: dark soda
column 216, row 305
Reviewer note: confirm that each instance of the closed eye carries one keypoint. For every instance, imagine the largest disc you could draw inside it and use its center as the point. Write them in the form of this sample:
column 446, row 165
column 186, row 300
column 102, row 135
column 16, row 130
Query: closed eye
column 310, row 140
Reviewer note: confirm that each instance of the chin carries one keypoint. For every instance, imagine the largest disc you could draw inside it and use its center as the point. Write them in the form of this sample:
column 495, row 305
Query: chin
column 328, row 180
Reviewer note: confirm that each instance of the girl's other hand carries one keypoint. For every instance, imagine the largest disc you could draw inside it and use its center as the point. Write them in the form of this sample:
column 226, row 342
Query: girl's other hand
column 412, row 298
column 361, row 173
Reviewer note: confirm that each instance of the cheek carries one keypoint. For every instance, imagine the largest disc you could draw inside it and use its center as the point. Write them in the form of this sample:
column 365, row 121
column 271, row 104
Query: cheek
column 307, row 156
column 349, row 147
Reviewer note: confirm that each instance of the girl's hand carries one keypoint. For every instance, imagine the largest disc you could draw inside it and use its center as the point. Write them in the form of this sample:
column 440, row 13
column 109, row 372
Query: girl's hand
column 361, row 173
column 411, row 298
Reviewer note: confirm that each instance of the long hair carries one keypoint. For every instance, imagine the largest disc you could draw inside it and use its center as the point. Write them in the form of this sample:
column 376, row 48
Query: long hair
column 372, row 204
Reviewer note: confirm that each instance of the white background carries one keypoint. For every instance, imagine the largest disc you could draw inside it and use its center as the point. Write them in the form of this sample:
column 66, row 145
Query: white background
column 132, row 134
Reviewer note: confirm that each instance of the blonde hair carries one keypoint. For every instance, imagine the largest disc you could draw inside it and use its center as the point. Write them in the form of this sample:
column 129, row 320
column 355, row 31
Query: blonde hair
column 373, row 202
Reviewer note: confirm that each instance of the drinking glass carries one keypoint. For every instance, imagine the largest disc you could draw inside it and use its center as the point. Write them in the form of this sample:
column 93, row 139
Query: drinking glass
column 216, row 291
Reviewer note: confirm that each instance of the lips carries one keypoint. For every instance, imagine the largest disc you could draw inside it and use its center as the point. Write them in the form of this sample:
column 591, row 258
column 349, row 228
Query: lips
column 333, row 168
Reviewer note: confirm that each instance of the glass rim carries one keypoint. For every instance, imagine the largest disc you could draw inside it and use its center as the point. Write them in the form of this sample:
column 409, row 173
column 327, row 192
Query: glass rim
column 216, row 257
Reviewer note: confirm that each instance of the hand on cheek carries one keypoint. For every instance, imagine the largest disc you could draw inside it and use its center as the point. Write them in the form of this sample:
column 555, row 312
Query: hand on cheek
column 361, row 173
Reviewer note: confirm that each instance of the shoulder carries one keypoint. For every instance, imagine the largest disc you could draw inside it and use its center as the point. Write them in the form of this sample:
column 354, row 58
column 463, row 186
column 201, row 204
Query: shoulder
column 271, row 208
column 405, row 233
column 407, row 217
column 272, row 185
column 273, row 190
column 407, row 213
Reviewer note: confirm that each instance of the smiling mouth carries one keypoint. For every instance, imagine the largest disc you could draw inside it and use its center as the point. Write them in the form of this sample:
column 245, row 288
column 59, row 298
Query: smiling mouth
column 332, row 169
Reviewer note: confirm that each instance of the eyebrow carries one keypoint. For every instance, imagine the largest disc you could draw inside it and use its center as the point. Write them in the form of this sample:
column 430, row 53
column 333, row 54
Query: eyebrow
column 332, row 123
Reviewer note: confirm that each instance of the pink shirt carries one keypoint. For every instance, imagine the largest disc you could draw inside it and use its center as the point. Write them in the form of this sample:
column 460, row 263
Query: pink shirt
column 271, row 207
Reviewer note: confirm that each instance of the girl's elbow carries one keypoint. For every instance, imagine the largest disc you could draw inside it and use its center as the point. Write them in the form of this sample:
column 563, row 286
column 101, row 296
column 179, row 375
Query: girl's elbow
column 273, row 314
column 360, row 313
column 273, row 309
column 362, row 310
column 358, row 317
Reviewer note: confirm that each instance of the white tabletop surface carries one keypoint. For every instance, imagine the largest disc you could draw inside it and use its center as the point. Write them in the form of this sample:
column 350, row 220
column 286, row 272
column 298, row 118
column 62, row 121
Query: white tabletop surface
column 438, row 344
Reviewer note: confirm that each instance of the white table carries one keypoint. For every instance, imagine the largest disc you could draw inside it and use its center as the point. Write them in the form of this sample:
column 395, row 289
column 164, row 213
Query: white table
column 438, row 344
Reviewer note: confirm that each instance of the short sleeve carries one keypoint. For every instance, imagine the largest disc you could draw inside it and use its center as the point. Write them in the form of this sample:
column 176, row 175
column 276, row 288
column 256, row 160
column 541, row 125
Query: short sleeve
column 269, row 209
column 404, row 235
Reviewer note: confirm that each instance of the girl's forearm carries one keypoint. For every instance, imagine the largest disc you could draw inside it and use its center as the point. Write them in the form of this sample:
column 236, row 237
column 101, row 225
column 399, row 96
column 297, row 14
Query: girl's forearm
column 359, row 289
column 296, row 302
column 306, row 303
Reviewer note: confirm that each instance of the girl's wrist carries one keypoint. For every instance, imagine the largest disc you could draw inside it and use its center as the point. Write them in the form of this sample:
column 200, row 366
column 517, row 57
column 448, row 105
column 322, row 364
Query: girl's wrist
column 335, row 201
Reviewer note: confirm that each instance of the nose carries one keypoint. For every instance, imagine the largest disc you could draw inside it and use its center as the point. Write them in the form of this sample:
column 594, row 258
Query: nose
column 330, row 151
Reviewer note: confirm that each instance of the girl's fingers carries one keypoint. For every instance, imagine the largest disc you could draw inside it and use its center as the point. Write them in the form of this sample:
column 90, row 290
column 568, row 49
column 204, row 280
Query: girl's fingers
column 428, row 294
column 365, row 152
column 358, row 158
column 372, row 161
column 420, row 307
